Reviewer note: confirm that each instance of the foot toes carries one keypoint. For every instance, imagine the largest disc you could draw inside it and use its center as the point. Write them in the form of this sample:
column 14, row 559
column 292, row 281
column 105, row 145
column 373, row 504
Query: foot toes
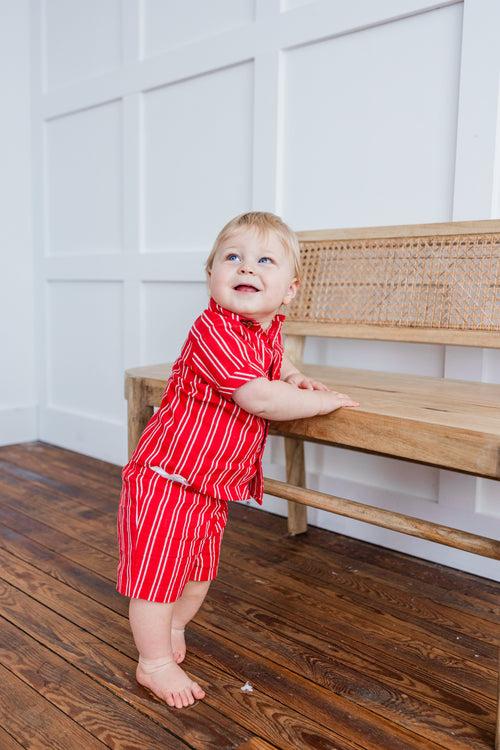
column 197, row 691
column 178, row 700
column 169, row 698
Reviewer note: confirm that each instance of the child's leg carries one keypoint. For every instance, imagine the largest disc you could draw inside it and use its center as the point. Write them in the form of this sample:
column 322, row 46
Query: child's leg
column 184, row 610
column 150, row 623
column 202, row 573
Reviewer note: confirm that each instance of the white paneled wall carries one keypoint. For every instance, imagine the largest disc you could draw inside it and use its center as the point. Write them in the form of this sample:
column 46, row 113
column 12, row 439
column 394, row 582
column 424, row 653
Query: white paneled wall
column 169, row 23
column 371, row 117
column 84, row 354
column 18, row 409
column 81, row 40
column 84, row 184
column 182, row 186
column 156, row 121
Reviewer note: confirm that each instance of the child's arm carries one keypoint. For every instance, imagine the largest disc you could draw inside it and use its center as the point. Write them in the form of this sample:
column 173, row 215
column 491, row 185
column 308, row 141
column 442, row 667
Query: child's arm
column 290, row 374
column 276, row 400
column 287, row 368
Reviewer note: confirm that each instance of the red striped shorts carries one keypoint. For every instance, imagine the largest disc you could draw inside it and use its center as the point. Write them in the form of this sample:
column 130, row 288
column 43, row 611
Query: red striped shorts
column 168, row 534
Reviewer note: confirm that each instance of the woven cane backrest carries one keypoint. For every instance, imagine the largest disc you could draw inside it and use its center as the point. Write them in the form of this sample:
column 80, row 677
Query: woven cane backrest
column 428, row 283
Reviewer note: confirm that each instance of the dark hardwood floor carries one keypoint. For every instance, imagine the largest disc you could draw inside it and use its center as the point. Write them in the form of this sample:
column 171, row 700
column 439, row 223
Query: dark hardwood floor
column 346, row 644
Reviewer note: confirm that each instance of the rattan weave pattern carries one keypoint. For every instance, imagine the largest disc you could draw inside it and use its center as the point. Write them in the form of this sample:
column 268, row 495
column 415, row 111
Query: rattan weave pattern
column 430, row 282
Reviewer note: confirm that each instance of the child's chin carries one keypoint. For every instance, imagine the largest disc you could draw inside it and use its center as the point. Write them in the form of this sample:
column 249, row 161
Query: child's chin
column 246, row 295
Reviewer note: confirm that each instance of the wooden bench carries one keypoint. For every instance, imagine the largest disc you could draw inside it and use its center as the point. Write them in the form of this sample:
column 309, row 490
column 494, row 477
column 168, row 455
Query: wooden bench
column 432, row 284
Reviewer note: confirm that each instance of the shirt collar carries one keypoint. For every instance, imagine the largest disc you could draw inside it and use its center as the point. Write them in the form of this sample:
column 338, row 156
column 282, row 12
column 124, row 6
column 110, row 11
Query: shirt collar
column 215, row 307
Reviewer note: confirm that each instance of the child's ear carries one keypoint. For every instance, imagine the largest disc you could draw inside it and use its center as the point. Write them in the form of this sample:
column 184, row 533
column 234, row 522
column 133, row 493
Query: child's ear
column 291, row 292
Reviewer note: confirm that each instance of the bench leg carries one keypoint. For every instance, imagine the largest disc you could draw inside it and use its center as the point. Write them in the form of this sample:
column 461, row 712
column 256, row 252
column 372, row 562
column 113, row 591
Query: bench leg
column 296, row 475
column 139, row 413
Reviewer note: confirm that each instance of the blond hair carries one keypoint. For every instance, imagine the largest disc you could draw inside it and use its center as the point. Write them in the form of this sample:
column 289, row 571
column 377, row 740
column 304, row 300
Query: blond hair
column 264, row 223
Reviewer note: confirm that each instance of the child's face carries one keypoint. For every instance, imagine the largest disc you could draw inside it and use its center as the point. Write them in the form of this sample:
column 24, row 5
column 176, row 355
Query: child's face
column 261, row 262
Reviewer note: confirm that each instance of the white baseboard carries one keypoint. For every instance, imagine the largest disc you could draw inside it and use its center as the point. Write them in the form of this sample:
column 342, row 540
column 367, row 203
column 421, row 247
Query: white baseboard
column 93, row 436
column 18, row 424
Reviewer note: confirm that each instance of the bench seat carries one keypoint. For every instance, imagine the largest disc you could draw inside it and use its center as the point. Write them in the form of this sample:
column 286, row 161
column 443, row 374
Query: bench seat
column 419, row 418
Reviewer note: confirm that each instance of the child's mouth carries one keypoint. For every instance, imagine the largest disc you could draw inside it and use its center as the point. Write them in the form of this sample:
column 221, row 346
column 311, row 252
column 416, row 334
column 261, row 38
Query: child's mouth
column 245, row 288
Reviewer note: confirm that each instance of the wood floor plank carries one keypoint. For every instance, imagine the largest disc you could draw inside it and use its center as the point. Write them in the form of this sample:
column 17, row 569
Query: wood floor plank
column 49, row 461
column 385, row 689
column 346, row 569
column 58, row 541
column 79, row 522
column 352, row 619
column 455, row 668
column 461, row 680
column 414, row 568
column 417, row 641
column 378, row 594
column 492, row 680
column 492, row 614
column 106, row 541
column 200, row 726
column 203, row 725
column 413, row 582
column 101, row 536
column 66, row 456
column 438, row 690
column 255, row 743
column 35, row 723
column 95, row 709
column 384, row 650
column 388, row 701
column 56, row 477
column 7, row 742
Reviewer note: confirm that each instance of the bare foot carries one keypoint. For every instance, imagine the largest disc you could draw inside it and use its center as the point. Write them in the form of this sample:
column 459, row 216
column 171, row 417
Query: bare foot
column 178, row 644
column 168, row 681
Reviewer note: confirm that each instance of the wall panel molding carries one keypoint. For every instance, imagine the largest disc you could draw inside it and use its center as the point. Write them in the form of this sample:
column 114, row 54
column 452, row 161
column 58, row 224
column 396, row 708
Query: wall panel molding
column 264, row 62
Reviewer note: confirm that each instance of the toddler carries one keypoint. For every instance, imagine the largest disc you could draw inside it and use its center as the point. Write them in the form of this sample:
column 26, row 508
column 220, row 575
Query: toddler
column 204, row 445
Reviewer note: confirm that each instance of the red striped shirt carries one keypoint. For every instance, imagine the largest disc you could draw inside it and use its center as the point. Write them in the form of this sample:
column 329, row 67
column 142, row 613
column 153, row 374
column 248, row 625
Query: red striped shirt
column 199, row 434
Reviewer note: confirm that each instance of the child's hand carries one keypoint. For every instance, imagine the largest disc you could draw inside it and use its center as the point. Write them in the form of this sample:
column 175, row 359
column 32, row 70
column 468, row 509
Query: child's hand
column 302, row 381
column 334, row 400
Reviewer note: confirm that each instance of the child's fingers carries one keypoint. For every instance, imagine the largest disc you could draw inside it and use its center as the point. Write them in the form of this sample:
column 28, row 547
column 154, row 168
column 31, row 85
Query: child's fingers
column 322, row 387
column 345, row 396
column 305, row 384
column 313, row 385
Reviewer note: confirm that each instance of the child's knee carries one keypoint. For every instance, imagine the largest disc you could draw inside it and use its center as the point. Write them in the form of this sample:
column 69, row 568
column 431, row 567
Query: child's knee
column 143, row 608
column 196, row 588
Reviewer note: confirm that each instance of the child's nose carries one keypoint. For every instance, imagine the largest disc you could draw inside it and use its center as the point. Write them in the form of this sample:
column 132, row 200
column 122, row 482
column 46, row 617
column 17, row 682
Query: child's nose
column 247, row 267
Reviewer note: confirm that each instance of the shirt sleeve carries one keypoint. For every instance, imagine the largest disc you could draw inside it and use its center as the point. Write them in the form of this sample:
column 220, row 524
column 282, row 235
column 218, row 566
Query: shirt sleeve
column 223, row 357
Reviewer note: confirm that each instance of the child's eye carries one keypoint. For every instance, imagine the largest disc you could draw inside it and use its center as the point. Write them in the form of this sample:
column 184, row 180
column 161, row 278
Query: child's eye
column 235, row 255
